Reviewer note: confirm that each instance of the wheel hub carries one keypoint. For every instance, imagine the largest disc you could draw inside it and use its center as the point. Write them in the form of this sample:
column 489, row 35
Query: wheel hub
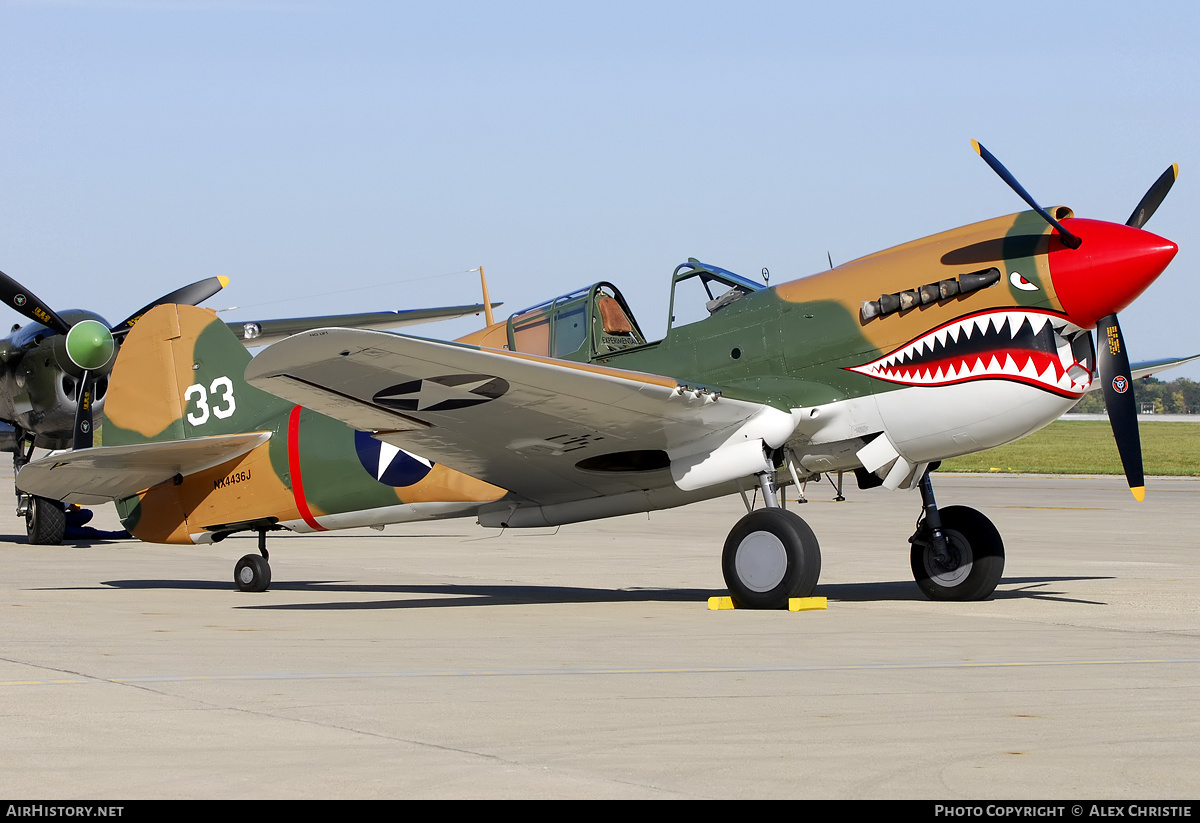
column 954, row 567
column 761, row 561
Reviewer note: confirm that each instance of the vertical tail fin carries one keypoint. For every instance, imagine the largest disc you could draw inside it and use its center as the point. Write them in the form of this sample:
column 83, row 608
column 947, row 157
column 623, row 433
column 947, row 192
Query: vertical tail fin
column 178, row 375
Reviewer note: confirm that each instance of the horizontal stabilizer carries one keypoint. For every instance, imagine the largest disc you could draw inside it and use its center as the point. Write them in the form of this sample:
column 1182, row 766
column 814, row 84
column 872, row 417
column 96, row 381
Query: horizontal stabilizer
column 103, row 473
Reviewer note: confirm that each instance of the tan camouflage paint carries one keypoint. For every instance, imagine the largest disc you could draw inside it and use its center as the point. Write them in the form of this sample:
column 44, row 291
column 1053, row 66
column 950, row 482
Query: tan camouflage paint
column 929, row 260
column 170, row 513
column 151, row 369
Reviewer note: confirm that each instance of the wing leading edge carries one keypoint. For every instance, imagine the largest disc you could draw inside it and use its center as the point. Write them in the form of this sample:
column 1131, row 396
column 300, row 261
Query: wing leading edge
column 1146, row 368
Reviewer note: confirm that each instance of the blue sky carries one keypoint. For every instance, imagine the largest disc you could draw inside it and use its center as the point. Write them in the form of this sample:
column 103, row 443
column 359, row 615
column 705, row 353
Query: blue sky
column 333, row 157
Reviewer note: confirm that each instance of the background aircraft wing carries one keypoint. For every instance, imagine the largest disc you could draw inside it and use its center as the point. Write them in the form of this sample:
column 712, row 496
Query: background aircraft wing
column 103, row 473
column 547, row 430
column 1146, row 368
column 265, row 332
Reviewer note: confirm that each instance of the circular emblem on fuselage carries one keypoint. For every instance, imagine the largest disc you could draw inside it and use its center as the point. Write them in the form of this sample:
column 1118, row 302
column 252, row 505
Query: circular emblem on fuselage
column 389, row 464
column 444, row 393
column 1120, row 384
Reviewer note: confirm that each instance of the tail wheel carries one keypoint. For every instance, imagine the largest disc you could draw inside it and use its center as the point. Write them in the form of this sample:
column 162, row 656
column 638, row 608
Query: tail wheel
column 252, row 573
column 771, row 555
column 45, row 521
column 975, row 562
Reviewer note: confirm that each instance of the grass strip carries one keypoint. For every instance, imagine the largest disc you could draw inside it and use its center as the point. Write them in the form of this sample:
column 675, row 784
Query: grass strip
column 1087, row 447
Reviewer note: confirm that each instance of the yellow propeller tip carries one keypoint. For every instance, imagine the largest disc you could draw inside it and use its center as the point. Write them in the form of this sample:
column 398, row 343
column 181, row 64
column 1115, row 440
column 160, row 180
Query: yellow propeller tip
column 224, row 280
column 975, row 145
column 1139, row 493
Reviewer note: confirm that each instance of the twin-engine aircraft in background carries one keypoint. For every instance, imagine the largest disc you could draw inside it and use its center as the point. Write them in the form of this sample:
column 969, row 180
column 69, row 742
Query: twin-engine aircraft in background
column 54, row 375
column 564, row 412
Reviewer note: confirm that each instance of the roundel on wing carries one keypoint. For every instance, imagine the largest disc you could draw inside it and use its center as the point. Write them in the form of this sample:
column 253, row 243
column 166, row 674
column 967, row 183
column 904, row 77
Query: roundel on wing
column 443, row 393
column 388, row 464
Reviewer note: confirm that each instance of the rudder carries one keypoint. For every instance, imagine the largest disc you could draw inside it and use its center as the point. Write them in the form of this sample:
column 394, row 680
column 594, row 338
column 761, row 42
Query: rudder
column 179, row 375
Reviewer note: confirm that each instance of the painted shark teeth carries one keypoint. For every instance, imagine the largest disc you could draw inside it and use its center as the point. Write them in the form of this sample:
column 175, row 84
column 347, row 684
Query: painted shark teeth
column 1023, row 345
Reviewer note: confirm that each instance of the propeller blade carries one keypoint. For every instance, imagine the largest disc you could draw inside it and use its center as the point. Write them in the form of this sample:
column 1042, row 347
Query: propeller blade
column 1069, row 240
column 192, row 295
column 1117, row 383
column 1153, row 198
column 28, row 304
column 84, row 436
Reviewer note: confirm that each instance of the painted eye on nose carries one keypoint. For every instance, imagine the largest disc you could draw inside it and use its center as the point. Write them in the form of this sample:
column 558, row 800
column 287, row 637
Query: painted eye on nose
column 1020, row 282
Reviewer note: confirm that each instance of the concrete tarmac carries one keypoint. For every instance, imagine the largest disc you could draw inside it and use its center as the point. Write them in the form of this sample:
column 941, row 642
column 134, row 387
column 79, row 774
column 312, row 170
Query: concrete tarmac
column 442, row 660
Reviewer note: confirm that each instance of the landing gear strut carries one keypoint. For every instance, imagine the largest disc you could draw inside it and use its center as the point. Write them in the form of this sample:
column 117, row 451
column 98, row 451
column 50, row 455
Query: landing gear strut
column 957, row 553
column 253, row 572
column 771, row 555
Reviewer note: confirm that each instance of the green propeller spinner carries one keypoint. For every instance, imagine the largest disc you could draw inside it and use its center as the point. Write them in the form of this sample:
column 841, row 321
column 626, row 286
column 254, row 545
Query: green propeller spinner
column 90, row 345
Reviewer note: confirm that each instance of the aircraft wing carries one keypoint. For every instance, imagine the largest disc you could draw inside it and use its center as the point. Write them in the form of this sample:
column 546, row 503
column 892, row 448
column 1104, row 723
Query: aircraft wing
column 550, row 431
column 265, row 332
column 1145, row 368
column 103, row 473
column 1148, row 367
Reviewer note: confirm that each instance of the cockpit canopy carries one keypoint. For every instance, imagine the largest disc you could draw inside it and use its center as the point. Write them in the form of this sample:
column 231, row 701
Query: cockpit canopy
column 595, row 322
column 586, row 323
column 699, row 291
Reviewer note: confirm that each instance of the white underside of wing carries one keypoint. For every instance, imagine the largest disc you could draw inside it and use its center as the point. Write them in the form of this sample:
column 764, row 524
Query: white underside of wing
column 550, row 431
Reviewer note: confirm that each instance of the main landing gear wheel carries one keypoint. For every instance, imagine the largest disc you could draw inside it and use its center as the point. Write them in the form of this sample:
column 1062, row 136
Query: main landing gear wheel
column 771, row 555
column 252, row 573
column 45, row 521
column 975, row 558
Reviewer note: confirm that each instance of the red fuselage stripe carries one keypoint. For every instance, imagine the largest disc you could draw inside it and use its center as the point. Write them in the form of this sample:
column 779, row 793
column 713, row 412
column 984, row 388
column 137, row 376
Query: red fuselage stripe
column 294, row 470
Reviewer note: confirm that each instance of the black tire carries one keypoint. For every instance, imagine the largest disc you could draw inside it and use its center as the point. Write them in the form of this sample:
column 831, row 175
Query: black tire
column 252, row 573
column 977, row 557
column 45, row 521
column 771, row 555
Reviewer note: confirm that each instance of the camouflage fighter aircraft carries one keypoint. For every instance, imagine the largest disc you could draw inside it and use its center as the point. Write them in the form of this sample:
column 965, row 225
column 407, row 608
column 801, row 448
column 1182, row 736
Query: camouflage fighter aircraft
column 54, row 376
column 883, row 366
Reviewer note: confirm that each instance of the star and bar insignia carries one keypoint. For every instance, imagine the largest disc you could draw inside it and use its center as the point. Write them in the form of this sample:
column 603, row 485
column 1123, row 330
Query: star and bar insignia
column 444, row 393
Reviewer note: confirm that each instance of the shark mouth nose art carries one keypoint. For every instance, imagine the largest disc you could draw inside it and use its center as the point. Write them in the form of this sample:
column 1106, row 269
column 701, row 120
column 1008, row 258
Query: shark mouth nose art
column 1021, row 345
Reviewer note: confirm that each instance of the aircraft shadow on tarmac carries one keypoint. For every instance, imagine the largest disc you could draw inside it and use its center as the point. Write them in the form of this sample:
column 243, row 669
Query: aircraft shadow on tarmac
column 76, row 538
column 439, row 596
column 1010, row 588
